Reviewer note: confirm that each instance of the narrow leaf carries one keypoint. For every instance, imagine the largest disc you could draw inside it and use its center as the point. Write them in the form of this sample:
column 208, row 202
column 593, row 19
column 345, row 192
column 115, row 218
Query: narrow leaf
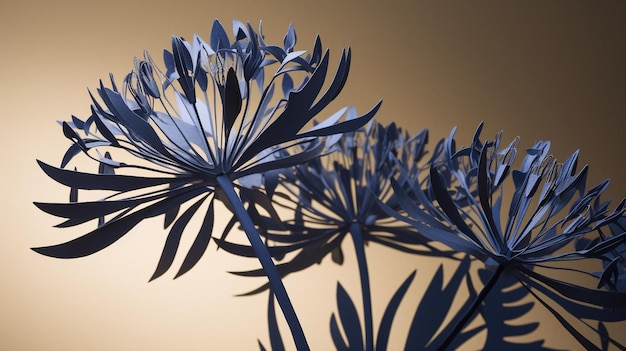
column 200, row 243
column 232, row 99
column 173, row 239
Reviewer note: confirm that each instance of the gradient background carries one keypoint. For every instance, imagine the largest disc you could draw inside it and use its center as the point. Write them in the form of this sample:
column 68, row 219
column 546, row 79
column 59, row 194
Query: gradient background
column 542, row 71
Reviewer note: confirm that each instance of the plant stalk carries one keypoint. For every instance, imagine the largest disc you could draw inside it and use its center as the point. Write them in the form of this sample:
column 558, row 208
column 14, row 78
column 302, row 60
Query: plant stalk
column 359, row 246
column 267, row 263
column 470, row 312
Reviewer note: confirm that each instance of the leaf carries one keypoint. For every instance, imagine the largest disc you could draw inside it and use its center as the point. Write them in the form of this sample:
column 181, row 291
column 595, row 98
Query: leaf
column 390, row 311
column 343, row 127
column 434, row 306
column 282, row 162
column 576, row 309
column 317, row 51
column 200, row 243
column 582, row 340
column 349, row 319
column 295, row 115
column 607, row 299
column 71, row 134
column 219, row 39
column 287, row 85
column 447, row 205
column 170, row 216
column 72, row 151
column 184, row 67
column 610, row 274
column 461, row 337
column 484, row 194
column 80, row 212
column 341, row 76
column 232, row 99
column 146, row 78
column 88, row 181
column 173, row 239
column 112, row 231
column 340, row 344
column 103, row 129
column 290, row 39
column 500, row 312
column 139, row 129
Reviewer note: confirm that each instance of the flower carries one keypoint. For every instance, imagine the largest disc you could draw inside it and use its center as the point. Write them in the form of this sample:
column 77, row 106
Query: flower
column 222, row 118
column 331, row 196
column 208, row 125
column 463, row 206
column 337, row 195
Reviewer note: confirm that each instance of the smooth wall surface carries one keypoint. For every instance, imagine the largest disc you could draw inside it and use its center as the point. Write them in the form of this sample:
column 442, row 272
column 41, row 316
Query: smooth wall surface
column 538, row 70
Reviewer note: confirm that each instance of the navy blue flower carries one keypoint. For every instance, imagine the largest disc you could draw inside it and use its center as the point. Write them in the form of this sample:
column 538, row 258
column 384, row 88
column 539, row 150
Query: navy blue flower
column 528, row 233
column 334, row 194
column 222, row 113
column 337, row 196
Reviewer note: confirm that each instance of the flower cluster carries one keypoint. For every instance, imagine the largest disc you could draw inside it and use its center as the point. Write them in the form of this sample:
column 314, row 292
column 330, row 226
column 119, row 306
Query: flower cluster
column 236, row 120
column 550, row 218
column 333, row 196
column 221, row 119
column 222, row 113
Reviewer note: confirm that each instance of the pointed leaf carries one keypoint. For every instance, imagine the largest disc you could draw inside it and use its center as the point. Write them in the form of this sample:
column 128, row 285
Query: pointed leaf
column 232, row 99
column 200, row 243
column 90, row 181
column 390, row 312
column 112, row 231
column 173, row 239
column 349, row 319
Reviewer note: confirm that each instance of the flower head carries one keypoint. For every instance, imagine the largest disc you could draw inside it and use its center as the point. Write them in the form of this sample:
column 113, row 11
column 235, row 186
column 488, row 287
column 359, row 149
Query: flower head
column 549, row 208
column 224, row 108
column 330, row 195
column 549, row 219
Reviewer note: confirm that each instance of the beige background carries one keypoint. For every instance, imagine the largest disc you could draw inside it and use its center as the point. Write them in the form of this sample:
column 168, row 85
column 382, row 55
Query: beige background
column 542, row 71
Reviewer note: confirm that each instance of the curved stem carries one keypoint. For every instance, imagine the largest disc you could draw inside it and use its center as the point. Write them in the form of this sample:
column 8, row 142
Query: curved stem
column 266, row 261
column 470, row 312
column 359, row 246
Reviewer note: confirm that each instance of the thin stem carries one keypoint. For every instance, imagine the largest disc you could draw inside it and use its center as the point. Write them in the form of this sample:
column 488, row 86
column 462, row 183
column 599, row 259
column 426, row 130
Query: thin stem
column 266, row 261
column 359, row 246
column 470, row 312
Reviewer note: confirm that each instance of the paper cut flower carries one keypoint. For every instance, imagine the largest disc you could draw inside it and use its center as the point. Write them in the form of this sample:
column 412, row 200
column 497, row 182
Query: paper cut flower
column 332, row 195
column 337, row 196
column 221, row 114
column 463, row 206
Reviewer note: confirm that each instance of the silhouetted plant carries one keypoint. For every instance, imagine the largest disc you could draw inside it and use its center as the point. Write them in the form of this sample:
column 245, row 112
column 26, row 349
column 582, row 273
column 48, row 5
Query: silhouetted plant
column 335, row 196
column 235, row 121
column 501, row 309
column 429, row 315
column 220, row 125
column 423, row 333
column 548, row 211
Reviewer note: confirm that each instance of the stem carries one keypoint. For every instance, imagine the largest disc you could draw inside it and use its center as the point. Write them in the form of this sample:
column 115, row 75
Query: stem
column 266, row 261
column 470, row 312
column 359, row 246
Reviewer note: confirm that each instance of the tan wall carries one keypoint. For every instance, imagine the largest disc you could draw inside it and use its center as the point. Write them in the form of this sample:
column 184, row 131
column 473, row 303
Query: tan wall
column 540, row 71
